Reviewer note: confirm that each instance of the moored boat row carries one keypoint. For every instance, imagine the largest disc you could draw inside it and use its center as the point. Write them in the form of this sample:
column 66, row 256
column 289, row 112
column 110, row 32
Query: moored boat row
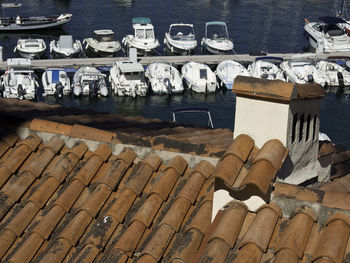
column 130, row 78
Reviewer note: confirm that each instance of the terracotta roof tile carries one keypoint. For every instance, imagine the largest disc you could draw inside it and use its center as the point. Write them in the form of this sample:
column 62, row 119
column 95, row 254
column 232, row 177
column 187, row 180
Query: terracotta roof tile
column 192, row 187
column 260, row 176
column 336, row 200
column 96, row 200
column 148, row 210
column 120, row 205
column 10, row 139
column 340, row 157
column 32, row 141
column 87, row 254
column 286, row 256
column 262, row 227
column 176, row 213
column 159, row 242
column 70, row 194
column 333, row 239
column 202, row 219
column 326, row 148
column 228, row 169
column 297, row 192
column 153, row 161
column 89, row 133
column 6, row 240
column 50, row 126
column 274, row 152
column 147, row 259
column 249, row 253
column 240, row 147
column 230, row 223
column 216, row 251
column 131, row 237
column 178, row 163
column 276, row 89
column 3, row 148
column 128, row 156
column 55, row 252
column 204, row 168
column 297, row 232
column 186, row 246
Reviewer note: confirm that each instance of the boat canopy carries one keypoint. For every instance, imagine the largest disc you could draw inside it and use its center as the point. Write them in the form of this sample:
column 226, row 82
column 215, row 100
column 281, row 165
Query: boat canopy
column 129, row 66
column 269, row 58
column 141, row 20
column 219, row 23
column 331, row 20
column 66, row 41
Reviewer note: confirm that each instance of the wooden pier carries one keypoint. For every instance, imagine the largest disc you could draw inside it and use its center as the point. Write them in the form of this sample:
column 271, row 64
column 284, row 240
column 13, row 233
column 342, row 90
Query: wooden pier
column 176, row 60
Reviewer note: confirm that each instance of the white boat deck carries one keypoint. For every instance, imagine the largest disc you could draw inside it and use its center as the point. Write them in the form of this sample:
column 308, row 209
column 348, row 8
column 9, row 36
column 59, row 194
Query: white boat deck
column 177, row 60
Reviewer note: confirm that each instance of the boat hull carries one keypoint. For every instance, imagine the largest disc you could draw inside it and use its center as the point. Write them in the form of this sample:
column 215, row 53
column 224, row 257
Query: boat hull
column 32, row 23
column 31, row 55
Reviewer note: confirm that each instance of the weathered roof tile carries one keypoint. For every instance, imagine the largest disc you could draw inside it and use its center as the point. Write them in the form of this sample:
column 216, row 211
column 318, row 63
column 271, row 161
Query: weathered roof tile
column 89, row 133
column 148, row 210
column 50, row 126
column 241, row 147
column 274, row 152
column 176, row 213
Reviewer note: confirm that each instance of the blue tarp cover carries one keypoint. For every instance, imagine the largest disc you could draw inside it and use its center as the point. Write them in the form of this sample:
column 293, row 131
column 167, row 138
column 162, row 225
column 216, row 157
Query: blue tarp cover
column 331, row 20
column 55, row 76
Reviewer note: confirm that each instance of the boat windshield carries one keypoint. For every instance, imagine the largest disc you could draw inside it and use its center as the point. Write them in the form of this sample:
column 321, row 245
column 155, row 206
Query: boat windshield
column 104, row 38
column 217, row 32
column 144, row 33
column 182, row 33
column 132, row 75
column 203, row 74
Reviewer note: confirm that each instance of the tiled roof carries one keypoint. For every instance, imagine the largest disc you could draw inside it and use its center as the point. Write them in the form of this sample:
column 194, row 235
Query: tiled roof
column 276, row 89
column 124, row 129
column 66, row 200
column 244, row 168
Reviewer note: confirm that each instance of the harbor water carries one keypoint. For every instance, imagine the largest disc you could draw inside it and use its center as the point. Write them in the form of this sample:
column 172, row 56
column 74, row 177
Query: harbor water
column 274, row 26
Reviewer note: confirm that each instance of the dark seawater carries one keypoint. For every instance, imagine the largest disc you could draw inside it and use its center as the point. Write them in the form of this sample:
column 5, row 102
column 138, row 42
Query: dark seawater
column 274, row 26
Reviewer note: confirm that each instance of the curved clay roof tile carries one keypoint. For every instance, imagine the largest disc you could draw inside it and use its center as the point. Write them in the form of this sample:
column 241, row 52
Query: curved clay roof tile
column 240, row 147
column 274, row 152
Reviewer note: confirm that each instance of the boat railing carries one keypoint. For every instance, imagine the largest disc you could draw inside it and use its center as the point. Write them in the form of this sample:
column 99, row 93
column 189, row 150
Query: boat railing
column 194, row 110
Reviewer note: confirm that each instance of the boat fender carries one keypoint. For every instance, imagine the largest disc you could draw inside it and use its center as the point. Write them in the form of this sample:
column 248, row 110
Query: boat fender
column 164, row 41
column 310, row 78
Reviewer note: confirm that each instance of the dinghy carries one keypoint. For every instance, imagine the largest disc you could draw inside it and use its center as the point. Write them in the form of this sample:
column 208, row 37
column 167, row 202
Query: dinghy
column 164, row 78
column 335, row 74
column 302, row 71
column 228, row 70
column 89, row 81
column 199, row 77
column 127, row 79
column 266, row 68
column 56, row 82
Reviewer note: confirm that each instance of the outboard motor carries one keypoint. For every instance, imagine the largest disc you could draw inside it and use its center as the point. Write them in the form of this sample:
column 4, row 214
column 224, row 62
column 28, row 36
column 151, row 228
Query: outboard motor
column 103, row 88
column 93, row 90
column 341, row 82
column 168, row 85
column 310, row 79
column 21, row 92
column 59, row 89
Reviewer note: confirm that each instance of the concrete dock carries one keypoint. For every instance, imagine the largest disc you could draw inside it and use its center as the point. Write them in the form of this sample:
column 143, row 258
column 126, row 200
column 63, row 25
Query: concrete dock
column 176, row 60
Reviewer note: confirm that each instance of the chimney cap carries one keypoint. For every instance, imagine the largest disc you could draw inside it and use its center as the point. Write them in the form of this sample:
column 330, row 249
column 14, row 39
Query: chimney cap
column 276, row 89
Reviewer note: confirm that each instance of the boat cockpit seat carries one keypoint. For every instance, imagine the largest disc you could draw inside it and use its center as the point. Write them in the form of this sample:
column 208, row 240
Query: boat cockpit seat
column 335, row 32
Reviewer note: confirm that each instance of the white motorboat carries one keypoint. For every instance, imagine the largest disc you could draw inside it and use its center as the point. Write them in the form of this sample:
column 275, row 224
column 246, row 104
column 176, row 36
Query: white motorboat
column 89, row 81
column 30, row 48
column 102, row 44
column 65, row 47
column 228, row 70
column 143, row 39
column 329, row 34
column 302, row 71
column 164, row 78
column 335, row 74
column 216, row 40
column 266, row 68
column 20, row 23
column 19, row 81
column 56, row 82
column 181, row 39
column 127, row 79
column 199, row 77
